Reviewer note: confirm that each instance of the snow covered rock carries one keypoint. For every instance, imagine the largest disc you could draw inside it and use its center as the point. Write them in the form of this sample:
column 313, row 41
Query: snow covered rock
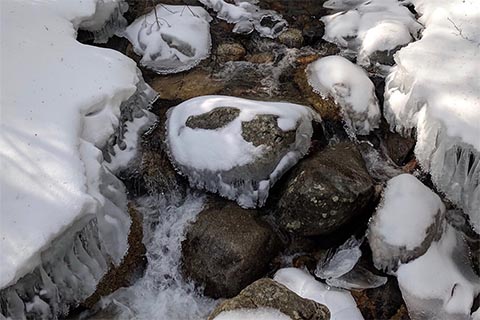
column 252, row 314
column 441, row 283
column 325, row 191
column 434, row 89
column 236, row 147
column 59, row 200
column 350, row 87
column 171, row 38
column 409, row 219
column 368, row 27
column 266, row 293
column 340, row 303
column 248, row 17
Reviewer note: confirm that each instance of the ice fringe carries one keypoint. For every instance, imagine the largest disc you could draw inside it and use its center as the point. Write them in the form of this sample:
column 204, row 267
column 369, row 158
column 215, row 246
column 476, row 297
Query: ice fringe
column 107, row 21
column 248, row 17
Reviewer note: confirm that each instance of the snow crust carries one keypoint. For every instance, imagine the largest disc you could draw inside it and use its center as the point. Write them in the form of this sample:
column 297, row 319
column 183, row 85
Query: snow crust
column 60, row 103
column 208, row 157
column 435, row 89
column 177, row 41
column 350, row 87
column 365, row 27
column 252, row 314
column 341, row 304
column 248, row 17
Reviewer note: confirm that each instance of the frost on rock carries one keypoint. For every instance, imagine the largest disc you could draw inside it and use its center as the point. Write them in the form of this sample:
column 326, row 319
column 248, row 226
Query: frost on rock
column 237, row 147
column 248, row 17
column 339, row 302
column 441, row 283
column 171, row 38
column 350, row 87
column 409, row 218
column 370, row 27
column 107, row 20
column 434, row 89
column 59, row 200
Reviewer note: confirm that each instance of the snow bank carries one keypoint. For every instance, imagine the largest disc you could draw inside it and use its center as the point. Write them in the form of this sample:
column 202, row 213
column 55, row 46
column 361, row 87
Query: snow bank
column 171, row 38
column 60, row 104
column 222, row 160
column 365, row 27
column 252, row 314
column 349, row 85
column 341, row 304
column 435, row 89
column 440, row 284
column 409, row 218
column 248, row 17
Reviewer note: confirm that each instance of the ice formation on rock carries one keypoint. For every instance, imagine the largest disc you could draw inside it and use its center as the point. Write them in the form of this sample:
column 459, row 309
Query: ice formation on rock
column 367, row 27
column 409, row 218
column 248, row 17
column 349, row 85
column 107, row 20
column 59, row 201
column 237, row 147
column 252, row 314
column 340, row 303
column 171, row 38
column 435, row 89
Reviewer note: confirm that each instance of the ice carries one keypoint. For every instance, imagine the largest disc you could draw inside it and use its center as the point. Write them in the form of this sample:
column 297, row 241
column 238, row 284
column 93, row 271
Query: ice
column 221, row 160
column 349, row 85
column 440, row 284
column 435, row 90
column 341, row 304
column 61, row 102
column 365, row 27
column 248, row 17
column 358, row 278
column 162, row 292
column 107, row 20
column 171, row 38
column 408, row 219
column 252, row 314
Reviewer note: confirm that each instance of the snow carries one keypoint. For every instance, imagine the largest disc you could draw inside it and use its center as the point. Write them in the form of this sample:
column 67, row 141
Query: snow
column 341, row 304
column 247, row 17
column 55, row 92
column 252, row 314
column 408, row 209
column 205, row 156
column 435, row 89
column 351, row 88
column 177, row 41
column 107, row 20
column 365, row 27
column 447, row 292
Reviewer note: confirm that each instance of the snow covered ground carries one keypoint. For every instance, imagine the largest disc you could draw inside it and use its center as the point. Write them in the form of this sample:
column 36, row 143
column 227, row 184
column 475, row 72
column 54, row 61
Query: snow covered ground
column 435, row 89
column 61, row 102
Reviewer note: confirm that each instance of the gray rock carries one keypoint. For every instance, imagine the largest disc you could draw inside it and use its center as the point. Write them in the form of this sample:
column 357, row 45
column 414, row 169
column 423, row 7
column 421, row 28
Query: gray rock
column 215, row 119
column 230, row 52
column 325, row 191
column 227, row 248
column 267, row 293
column 292, row 38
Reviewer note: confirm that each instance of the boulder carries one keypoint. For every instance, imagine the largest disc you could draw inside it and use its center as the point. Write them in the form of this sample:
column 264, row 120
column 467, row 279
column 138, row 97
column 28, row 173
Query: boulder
column 325, row 191
column 267, row 293
column 227, row 248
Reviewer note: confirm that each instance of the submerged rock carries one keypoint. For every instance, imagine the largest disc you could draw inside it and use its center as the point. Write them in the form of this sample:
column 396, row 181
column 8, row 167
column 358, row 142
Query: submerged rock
column 227, row 248
column 325, row 191
column 292, row 38
column 267, row 293
column 230, row 52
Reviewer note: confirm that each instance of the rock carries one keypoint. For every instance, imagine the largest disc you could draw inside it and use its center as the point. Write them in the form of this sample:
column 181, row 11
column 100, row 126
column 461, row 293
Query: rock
column 325, row 191
column 268, row 293
column 398, row 148
column 230, row 52
column 227, row 248
column 184, row 86
column 215, row 119
column 292, row 38
column 262, row 57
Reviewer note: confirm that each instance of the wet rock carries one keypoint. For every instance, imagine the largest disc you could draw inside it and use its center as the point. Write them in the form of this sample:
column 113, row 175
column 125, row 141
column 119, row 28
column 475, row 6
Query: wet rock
column 292, row 38
column 230, row 52
column 325, row 191
column 398, row 148
column 267, row 293
column 215, row 119
column 262, row 57
column 227, row 248
column 184, row 86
